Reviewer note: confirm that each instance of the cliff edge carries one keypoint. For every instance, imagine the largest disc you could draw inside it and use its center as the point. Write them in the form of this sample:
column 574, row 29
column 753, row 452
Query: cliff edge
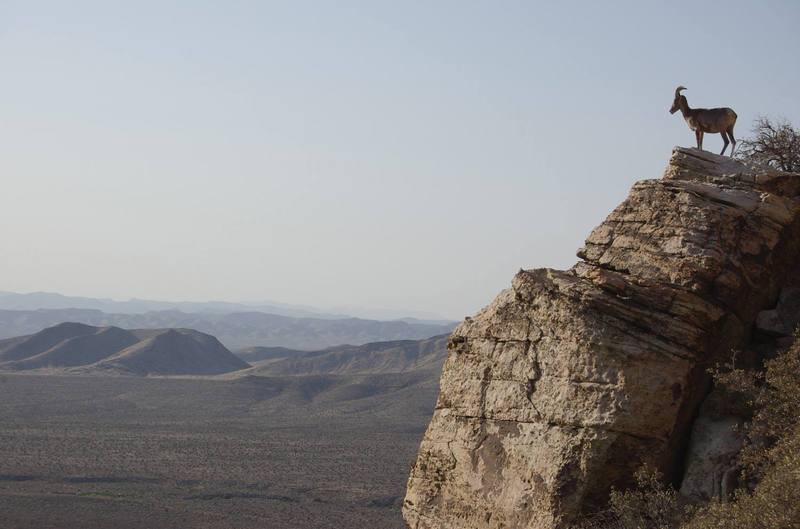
column 571, row 380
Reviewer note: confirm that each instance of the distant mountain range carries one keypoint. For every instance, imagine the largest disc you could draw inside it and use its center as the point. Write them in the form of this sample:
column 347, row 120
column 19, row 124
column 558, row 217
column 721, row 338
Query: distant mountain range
column 51, row 300
column 235, row 330
column 79, row 348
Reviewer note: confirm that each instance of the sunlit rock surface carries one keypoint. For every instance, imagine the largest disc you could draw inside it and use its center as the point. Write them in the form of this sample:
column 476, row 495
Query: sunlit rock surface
column 570, row 380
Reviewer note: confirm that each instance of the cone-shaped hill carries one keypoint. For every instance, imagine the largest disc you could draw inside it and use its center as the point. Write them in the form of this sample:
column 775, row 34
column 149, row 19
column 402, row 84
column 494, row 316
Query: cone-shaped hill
column 82, row 348
column 27, row 346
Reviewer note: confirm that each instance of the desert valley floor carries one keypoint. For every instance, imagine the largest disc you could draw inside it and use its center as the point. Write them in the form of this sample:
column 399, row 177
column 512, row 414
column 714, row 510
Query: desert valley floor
column 240, row 452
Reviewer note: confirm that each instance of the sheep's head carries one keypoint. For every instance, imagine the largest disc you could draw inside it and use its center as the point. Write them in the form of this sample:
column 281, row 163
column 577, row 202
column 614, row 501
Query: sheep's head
column 676, row 104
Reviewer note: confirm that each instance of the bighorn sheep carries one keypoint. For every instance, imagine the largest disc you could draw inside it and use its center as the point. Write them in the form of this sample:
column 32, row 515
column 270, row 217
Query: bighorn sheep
column 703, row 120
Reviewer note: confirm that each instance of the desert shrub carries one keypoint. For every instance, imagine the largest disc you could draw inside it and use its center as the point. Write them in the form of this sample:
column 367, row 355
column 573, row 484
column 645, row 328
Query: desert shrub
column 770, row 498
column 770, row 495
column 773, row 396
column 774, row 502
column 651, row 505
column 774, row 143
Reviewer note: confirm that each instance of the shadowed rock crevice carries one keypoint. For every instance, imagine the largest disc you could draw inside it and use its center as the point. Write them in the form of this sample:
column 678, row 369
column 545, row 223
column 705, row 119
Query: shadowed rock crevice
column 570, row 380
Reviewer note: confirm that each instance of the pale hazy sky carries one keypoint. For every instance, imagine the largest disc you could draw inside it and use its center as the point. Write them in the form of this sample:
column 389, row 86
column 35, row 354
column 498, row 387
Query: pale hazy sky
column 383, row 154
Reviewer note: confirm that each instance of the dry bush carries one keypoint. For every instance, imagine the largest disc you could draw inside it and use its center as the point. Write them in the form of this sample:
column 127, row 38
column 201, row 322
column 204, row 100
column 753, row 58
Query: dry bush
column 651, row 505
column 774, row 503
column 773, row 396
column 770, row 495
column 775, row 144
column 770, row 456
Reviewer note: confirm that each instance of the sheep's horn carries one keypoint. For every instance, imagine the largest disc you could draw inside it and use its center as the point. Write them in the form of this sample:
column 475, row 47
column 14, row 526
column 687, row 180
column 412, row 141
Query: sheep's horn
column 678, row 90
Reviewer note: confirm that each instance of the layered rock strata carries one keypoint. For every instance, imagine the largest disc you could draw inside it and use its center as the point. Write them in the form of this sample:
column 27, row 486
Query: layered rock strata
column 571, row 380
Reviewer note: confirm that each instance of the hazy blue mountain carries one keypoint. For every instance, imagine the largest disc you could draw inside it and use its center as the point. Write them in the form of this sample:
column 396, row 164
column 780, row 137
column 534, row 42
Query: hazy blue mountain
column 50, row 300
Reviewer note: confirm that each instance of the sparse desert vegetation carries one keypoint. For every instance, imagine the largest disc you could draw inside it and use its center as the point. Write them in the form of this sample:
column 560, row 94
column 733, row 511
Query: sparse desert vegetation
column 769, row 490
column 279, row 452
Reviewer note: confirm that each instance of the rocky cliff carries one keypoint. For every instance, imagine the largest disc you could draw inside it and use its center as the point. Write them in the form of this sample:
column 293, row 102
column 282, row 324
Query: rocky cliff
column 571, row 380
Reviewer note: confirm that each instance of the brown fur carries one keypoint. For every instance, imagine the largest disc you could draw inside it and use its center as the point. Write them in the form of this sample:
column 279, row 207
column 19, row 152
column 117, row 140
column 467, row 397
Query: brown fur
column 702, row 120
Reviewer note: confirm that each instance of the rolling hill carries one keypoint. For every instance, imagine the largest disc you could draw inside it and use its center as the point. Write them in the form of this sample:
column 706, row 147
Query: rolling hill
column 258, row 353
column 398, row 356
column 80, row 348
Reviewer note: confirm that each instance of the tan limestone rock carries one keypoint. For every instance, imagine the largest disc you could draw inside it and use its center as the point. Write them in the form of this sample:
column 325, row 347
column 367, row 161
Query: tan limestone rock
column 570, row 380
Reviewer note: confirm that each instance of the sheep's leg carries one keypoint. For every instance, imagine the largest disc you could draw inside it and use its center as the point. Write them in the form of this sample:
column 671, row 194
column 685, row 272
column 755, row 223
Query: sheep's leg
column 725, row 141
column 733, row 140
column 699, row 135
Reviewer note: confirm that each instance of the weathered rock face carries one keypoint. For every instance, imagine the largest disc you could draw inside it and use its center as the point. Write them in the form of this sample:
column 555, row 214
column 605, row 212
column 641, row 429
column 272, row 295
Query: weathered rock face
column 570, row 380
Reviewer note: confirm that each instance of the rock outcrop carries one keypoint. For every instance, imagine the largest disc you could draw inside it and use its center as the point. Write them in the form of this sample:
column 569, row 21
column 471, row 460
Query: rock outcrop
column 571, row 380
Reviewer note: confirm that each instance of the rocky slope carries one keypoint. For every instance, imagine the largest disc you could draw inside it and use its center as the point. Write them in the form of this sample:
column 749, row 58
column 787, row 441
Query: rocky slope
column 75, row 347
column 570, row 380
